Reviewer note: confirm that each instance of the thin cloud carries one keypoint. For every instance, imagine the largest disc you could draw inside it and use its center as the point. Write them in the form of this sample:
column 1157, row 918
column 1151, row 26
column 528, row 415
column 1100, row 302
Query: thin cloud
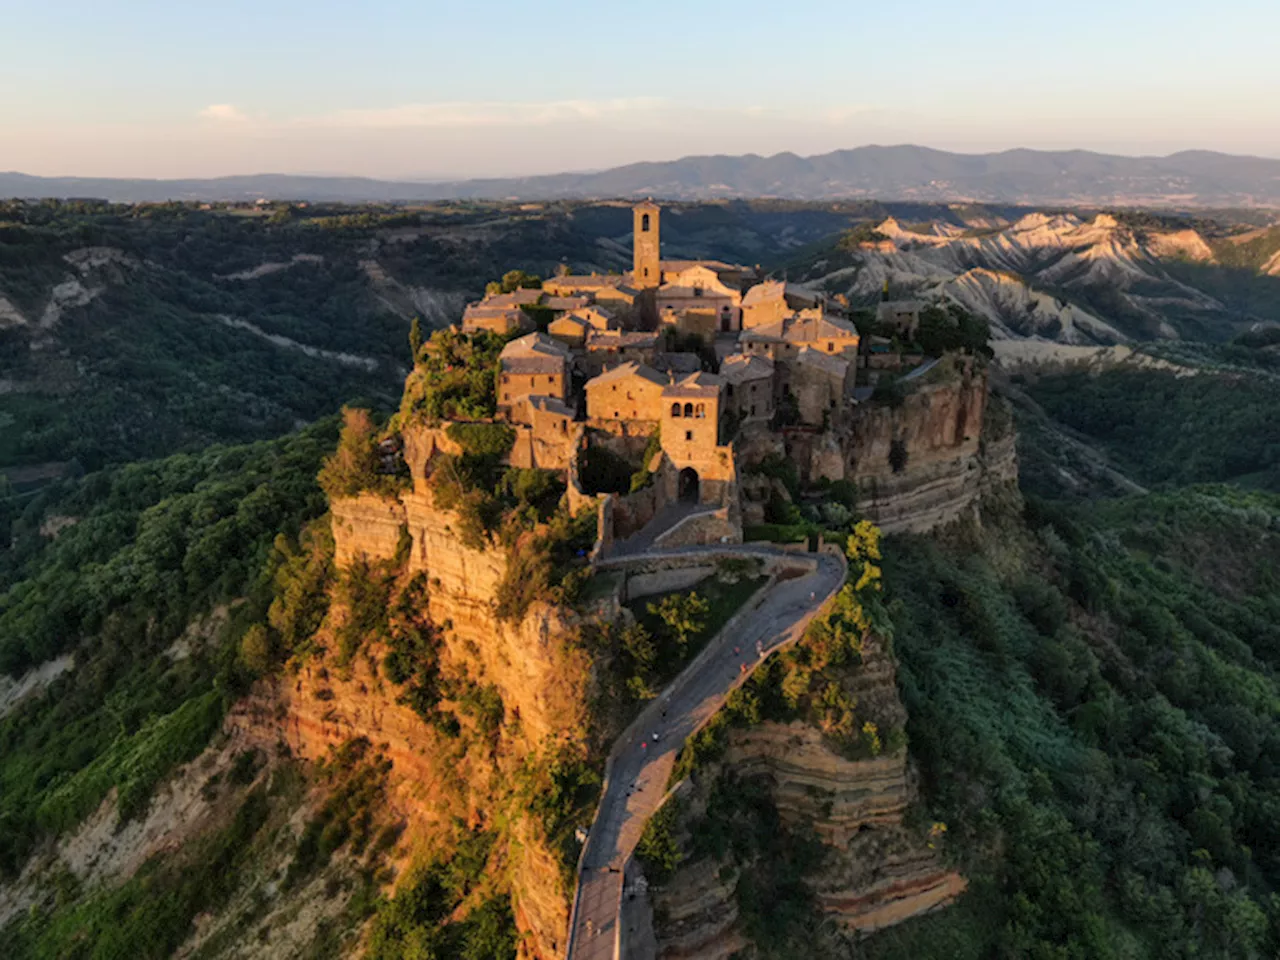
column 461, row 114
column 223, row 113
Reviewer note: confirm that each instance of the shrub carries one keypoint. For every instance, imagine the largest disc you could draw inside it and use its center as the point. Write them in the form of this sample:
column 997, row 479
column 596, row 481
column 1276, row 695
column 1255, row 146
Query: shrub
column 483, row 439
column 353, row 466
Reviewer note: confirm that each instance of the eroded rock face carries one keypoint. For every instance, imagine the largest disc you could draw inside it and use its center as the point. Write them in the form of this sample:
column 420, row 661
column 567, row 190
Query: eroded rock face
column 928, row 462
column 366, row 526
column 535, row 665
column 877, row 872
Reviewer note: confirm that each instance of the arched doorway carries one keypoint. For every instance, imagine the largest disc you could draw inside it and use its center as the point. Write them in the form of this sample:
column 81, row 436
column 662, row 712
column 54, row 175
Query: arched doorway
column 688, row 485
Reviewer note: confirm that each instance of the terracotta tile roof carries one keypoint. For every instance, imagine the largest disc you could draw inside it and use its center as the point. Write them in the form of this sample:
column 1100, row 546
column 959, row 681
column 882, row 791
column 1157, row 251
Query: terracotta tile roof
column 534, row 353
column 761, row 292
column 550, row 405
column 679, row 363
column 621, row 339
column 565, row 303
column 515, row 298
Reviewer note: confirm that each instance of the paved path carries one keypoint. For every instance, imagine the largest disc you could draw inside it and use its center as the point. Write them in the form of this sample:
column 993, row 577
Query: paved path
column 665, row 519
column 639, row 767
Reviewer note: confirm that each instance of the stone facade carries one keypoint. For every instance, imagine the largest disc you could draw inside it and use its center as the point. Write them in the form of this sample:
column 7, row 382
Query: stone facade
column 646, row 269
column 629, row 391
column 534, row 365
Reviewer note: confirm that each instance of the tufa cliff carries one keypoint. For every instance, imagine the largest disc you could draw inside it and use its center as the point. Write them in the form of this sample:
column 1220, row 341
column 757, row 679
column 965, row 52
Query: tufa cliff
column 873, row 870
column 530, row 666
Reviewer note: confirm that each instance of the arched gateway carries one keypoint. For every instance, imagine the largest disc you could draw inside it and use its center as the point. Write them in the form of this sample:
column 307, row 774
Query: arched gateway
column 689, row 492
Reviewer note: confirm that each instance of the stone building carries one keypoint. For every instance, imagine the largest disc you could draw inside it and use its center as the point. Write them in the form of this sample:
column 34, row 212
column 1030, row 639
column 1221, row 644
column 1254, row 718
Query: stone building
column 570, row 330
column 646, row 259
column 819, row 382
column 690, row 428
column 774, row 301
column 629, row 391
column 748, row 386
column 705, row 285
column 783, row 341
column 606, row 348
column 480, row 317
column 901, row 317
column 701, row 322
column 533, row 365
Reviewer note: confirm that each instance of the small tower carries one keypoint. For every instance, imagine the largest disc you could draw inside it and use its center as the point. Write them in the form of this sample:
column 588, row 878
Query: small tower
column 647, row 251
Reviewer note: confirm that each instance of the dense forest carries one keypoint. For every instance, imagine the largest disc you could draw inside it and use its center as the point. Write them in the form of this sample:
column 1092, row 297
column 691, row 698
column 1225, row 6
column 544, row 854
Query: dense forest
column 1090, row 674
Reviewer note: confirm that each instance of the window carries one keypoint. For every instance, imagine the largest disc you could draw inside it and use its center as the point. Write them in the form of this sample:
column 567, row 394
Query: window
column 688, row 409
column 616, row 415
column 505, row 378
column 702, row 410
column 831, row 347
column 644, row 228
column 753, row 409
column 697, row 291
column 688, row 434
column 675, row 409
column 551, row 380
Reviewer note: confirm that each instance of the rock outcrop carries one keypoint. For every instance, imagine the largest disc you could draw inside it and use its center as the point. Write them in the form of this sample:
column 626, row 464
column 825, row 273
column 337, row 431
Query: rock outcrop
column 917, row 466
column 533, row 664
column 929, row 461
column 367, row 526
column 876, row 872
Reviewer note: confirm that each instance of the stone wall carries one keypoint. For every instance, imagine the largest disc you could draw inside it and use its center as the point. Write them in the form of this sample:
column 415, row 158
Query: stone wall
column 707, row 528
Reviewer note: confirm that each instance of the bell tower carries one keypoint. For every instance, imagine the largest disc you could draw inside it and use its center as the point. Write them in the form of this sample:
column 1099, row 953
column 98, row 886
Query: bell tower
column 646, row 250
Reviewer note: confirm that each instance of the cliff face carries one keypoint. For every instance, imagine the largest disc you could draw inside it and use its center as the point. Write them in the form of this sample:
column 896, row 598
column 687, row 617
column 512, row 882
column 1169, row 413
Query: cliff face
column 534, row 665
column 923, row 464
column 365, row 526
column 876, row 872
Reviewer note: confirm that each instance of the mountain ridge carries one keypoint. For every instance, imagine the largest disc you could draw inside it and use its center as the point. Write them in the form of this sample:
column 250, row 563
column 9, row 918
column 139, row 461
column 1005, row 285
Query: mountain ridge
column 1188, row 178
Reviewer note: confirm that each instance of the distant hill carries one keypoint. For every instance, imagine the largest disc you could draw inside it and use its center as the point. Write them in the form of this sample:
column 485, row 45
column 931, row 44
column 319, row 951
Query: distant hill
column 1189, row 179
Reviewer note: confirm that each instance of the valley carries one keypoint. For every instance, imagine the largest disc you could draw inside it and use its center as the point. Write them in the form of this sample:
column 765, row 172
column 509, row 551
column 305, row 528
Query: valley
column 280, row 686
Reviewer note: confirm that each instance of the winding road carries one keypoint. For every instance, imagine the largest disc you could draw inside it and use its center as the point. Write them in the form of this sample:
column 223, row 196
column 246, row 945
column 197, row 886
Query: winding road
column 639, row 766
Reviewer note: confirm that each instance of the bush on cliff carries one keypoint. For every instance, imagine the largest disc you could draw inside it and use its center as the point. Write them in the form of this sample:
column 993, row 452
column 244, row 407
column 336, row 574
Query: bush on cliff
column 356, row 467
column 483, row 439
column 1092, row 702
column 157, row 547
column 548, row 565
column 455, row 380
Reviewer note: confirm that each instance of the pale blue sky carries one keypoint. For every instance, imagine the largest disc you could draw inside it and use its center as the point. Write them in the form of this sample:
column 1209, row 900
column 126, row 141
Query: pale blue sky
column 491, row 87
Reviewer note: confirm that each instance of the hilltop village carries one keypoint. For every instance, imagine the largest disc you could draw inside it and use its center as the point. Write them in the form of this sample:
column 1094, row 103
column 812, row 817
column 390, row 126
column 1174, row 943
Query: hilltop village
column 690, row 371
column 552, row 454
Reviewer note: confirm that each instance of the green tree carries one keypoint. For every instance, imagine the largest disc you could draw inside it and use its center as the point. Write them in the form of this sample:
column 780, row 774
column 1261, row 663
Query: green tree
column 684, row 615
column 415, row 339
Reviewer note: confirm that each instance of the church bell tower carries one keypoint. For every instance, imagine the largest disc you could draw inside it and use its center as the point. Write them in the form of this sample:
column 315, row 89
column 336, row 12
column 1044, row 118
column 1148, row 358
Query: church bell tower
column 647, row 253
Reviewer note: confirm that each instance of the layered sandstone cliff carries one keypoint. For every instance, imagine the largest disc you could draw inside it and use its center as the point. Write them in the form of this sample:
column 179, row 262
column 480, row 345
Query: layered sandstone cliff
column 534, row 665
column 921, row 464
column 876, row 871
column 925, row 463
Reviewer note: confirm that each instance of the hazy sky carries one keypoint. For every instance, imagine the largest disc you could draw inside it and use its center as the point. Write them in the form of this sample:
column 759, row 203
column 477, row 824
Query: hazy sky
column 169, row 88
